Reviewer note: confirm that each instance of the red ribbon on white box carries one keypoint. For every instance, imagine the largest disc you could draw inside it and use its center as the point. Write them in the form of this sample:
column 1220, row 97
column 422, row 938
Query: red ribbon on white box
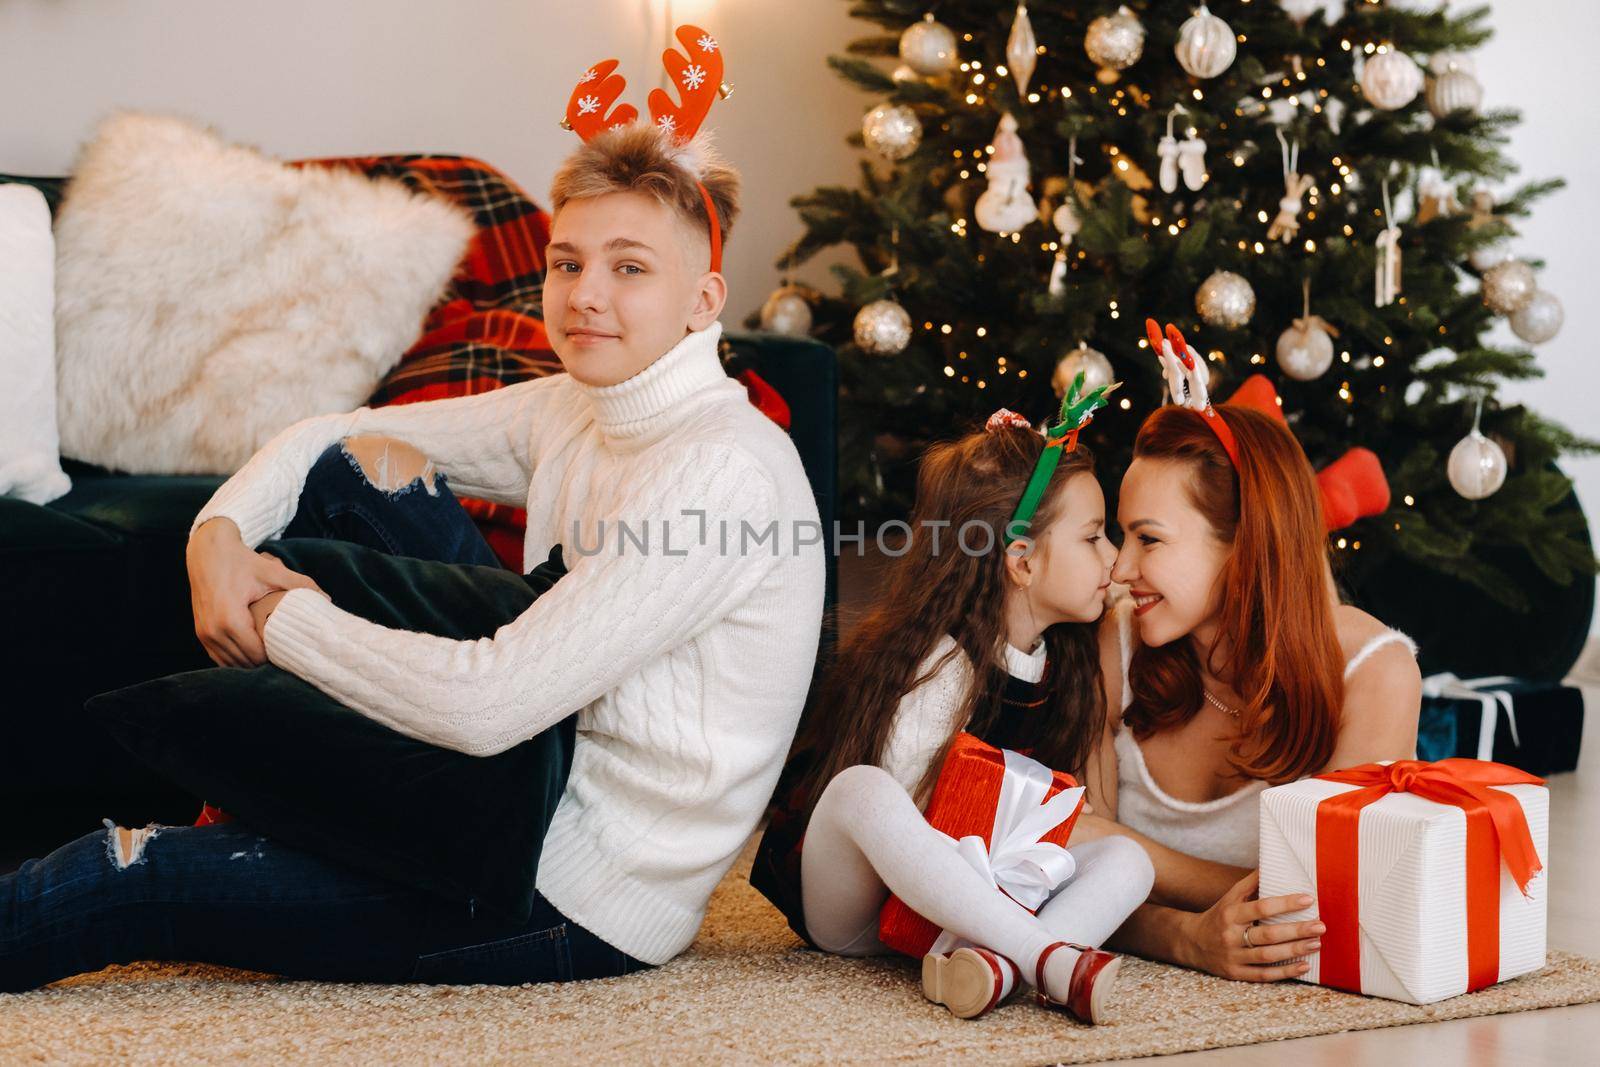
column 1017, row 861
column 1497, row 830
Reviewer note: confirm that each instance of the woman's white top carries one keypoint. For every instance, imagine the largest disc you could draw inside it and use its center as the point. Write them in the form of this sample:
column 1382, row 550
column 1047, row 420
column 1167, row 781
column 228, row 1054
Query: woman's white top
column 1224, row 830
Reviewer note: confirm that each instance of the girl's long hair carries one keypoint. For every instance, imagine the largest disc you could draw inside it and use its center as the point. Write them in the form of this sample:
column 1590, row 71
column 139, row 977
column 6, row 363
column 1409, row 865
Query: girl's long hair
column 1279, row 648
column 927, row 593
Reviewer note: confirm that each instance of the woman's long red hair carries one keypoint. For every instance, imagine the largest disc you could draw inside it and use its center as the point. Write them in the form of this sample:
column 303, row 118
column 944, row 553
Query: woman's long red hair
column 1278, row 646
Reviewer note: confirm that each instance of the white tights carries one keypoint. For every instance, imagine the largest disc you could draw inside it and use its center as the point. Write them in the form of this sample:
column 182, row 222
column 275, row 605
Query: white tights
column 867, row 839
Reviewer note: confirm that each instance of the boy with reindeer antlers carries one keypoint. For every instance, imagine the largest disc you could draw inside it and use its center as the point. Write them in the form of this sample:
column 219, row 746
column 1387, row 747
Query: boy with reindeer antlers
column 677, row 648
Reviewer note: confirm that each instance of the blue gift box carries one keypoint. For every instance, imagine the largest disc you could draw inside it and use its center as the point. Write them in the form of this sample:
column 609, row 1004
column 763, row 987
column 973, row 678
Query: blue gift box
column 1534, row 726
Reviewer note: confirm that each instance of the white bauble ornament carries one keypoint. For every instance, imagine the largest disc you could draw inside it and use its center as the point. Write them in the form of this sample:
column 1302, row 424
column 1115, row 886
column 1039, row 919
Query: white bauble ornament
column 891, row 131
column 1445, row 62
column 1022, row 50
column 1065, row 219
column 1509, row 287
column 1006, row 207
column 1225, row 299
column 1095, row 366
column 1116, row 41
column 882, row 328
column 1477, row 466
column 1485, row 259
column 1305, row 349
column 786, row 311
column 1206, row 44
column 1454, row 91
column 1540, row 318
column 928, row 47
column 1300, row 10
column 1391, row 79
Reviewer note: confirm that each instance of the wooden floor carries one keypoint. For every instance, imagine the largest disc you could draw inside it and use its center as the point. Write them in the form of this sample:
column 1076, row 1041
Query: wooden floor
column 1553, row 1036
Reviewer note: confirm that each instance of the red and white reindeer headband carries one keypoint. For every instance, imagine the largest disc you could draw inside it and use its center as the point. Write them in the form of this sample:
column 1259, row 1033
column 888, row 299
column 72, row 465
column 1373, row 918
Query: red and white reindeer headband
column 698, row 77
column 1187, row 381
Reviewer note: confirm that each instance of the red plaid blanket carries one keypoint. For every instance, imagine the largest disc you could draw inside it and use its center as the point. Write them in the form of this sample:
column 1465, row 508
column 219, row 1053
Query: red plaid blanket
column 488, row 331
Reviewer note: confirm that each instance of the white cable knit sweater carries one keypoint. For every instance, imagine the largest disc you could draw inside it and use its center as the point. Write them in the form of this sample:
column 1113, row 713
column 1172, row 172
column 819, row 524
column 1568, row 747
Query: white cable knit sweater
column 687, row 662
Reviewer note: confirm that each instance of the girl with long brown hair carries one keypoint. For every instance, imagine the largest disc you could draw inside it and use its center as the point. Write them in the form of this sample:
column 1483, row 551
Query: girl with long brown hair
column 1231, row 666
column 973, row 632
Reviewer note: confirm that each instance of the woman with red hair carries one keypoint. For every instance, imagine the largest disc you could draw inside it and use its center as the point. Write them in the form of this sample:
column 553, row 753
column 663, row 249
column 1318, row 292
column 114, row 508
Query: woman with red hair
column 1233, row 666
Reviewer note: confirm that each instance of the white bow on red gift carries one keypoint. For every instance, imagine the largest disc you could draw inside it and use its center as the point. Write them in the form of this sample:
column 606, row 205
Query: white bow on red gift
column 1017, row 861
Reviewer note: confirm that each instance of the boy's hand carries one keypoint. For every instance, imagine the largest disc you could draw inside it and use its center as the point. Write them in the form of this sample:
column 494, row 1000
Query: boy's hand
column 225, row 579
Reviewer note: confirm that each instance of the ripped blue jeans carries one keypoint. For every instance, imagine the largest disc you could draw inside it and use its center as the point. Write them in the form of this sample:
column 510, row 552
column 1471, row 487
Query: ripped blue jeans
column 227, row 895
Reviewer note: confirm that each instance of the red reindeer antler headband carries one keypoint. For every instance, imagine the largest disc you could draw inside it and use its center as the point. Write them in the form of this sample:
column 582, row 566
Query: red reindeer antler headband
column 1187, row 381
column 698, row 77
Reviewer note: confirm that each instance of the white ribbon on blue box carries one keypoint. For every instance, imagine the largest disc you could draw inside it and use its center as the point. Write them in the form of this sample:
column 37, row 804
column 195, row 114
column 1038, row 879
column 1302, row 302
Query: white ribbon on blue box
column 1447, row 686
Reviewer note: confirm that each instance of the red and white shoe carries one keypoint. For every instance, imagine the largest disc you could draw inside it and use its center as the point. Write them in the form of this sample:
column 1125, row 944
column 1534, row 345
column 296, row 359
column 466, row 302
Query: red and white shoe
column 1089, row 993
column 968, row 981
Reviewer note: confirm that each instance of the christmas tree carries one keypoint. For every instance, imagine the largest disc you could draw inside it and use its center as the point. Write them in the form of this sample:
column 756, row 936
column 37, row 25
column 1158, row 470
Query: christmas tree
column 1280, row 178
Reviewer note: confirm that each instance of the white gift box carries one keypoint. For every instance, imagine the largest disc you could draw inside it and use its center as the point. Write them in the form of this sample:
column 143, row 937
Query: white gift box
column 1411, row 887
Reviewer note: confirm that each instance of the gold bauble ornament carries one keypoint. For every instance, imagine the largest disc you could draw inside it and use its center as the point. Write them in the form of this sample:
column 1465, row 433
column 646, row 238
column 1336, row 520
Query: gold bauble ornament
column 891, row 131
column 1096, row 369
column 787, row 311
column 1509, row 287
column 882, row 328
column 1225, row 299
column 1115, row 42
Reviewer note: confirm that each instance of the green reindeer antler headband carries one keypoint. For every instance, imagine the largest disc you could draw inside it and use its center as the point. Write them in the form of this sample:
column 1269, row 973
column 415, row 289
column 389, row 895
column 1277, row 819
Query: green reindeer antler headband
column 1077, row 411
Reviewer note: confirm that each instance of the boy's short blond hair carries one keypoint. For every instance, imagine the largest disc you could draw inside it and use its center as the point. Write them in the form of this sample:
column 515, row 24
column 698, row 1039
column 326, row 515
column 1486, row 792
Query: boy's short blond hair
column 639, row 158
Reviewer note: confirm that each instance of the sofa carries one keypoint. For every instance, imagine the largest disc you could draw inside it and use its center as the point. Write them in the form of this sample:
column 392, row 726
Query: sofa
column 94, row 593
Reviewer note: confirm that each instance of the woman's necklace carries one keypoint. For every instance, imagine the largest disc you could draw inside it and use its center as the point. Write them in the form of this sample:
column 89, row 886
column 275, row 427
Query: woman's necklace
column 1219, row 705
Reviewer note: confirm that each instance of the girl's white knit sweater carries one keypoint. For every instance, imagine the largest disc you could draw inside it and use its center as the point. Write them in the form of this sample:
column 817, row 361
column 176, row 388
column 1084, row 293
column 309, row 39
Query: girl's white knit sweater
column 686, row 660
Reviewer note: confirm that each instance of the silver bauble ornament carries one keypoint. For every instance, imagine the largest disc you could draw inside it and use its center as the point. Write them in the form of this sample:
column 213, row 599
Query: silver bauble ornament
column 929, row 47
column 1391, row 79
column 891, row 131
column 1206, row 44
column 1485, row 259
column 1116, row 41
column 1455, row 90
column 1305, row 350
column 1477, row 466
column 1508, row 287
column 1095, row 366
column 786, row 311
column 882, row 328
column 1225, row 299
column 1540, row 318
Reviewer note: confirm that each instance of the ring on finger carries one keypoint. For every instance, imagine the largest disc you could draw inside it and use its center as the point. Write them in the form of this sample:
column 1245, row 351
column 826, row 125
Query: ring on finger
column 1247, row 942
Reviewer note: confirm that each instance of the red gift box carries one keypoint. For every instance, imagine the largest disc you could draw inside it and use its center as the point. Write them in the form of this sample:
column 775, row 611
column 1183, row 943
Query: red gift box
column 965, row 802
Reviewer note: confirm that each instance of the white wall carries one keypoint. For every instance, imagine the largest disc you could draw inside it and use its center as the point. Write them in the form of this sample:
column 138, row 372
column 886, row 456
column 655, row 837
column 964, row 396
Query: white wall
column 490, row 78
column 1541, row 62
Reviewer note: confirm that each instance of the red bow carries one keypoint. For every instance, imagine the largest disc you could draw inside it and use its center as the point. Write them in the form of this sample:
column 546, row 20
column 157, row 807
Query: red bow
column 1352, row 487
column 1497, row 829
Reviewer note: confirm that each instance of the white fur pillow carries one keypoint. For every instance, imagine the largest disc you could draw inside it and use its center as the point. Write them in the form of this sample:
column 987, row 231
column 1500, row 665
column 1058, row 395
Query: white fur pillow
column 30, row 466
column 207, row 297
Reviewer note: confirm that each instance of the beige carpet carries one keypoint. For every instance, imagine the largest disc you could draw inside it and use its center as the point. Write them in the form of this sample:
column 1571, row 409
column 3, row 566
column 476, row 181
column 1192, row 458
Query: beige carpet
column 746, row 992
